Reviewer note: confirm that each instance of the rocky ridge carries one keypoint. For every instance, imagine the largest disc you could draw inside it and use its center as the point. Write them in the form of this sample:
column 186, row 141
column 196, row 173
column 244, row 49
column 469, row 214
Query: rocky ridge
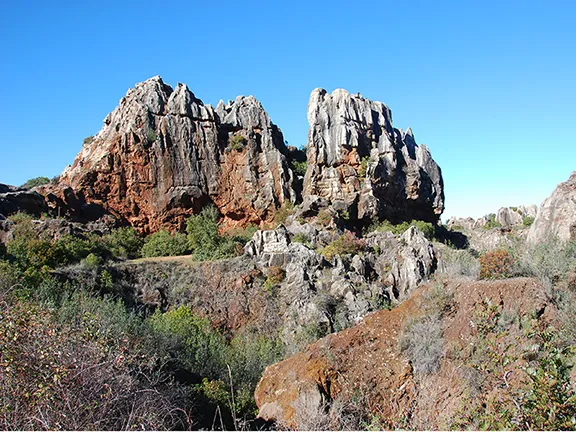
column 162, row 155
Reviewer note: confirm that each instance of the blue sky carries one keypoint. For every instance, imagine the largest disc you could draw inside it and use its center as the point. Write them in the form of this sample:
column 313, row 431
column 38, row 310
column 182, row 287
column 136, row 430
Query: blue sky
column 488, row 86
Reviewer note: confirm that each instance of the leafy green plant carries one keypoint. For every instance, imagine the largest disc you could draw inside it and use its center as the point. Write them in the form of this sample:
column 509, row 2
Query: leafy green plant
column 36, row 181
column 527, row 221
column 427, row 228
column 363, row 168
column 324, row 217
column 205, row 240
column 124, row 243
column 150, row 136
column 492, row 222
column 301, row 238
column 163, row 243
column 299, row 168
column 237, row 142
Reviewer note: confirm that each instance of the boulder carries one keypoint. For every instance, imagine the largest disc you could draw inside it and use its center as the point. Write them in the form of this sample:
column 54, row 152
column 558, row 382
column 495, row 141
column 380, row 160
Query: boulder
column 30, row 202
column 362, row 165
column 557, row 214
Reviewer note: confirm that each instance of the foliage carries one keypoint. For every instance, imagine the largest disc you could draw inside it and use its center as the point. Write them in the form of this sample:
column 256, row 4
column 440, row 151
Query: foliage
column 237, row 142
column 549, row 261
column 34, row 182
column 81, row 373
column 347, row 243
column 299, row 168
column 527, row 221
column 422, row 339
column 242, row 235
column 363, row 168
column 163, row 243
column 200, row 347
column 459, row 263
column 150, row 136
column 426, row 228
column 205, row 240
column 517, row 385
column 301, row 238
column 496, row 264
column 88, row 140
column 492, row 222
column 124, row 243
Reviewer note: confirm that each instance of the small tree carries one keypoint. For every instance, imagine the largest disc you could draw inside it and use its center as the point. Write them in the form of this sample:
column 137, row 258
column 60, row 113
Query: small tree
column 34, row 182
column 163, row 243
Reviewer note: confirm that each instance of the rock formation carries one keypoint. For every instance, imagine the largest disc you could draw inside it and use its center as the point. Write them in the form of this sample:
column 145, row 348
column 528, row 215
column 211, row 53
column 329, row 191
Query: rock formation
column 364, row 367
column 363, row 165
column 557, row 214
column 13, row 200
column 162, row 155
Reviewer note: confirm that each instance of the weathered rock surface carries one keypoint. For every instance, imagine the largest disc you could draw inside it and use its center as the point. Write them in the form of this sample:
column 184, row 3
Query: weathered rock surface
column 363, row 165
column 14, row 201
column 557, row 214
column 162, row 155
column 334, row 294
column 364, row 364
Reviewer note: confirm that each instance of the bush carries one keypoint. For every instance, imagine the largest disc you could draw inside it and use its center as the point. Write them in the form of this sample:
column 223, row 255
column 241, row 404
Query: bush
column 124, row 243
column 201, row 348
column 422, row 342
column 527, row 221
column 299, row 168
column 276, row 275
column 34, row 182
column 492, row 223
column 163, row 243
column 88, row 140
column 204, row 238
column 459, row 263
column 496, row 264
column 324, row 217
column 347, row 243
column 427, row 228
column 150, row 136
column 363, row 168
column 549, row 261
column 237, row 142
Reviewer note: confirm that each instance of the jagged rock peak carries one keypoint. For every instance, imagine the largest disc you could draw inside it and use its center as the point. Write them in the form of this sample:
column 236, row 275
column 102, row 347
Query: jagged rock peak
column 372, row 170
column 162, row 155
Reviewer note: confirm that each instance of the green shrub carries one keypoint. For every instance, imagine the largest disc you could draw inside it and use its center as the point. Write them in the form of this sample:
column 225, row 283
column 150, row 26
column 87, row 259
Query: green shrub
column 363, row 168
column 88, row 140
column 163, row 243
column 34, row 182
column 237, row 142
column 299, row 168
column 492, row 223
column 124, row 243
column 427, row 228
column 201, row 348
column 301, row 238
column 92, row 260
column 527, row 221
column 275, row 276
column 549, row 261
column 496, row 264
column 150, row 136
column 205, row 240
column 347, row 243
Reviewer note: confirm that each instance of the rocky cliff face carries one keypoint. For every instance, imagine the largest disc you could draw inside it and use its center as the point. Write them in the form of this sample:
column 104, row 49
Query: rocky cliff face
column 359, row 162
column 557, row 214
column 162, row 155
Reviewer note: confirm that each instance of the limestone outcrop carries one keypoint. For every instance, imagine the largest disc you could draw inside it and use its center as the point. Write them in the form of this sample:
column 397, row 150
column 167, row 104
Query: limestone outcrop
column 162, row 155
column 363, row 165
column 557, row 214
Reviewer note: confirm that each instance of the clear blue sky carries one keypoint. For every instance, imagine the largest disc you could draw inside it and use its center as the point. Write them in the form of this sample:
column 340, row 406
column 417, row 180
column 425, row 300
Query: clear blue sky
column 489, row 86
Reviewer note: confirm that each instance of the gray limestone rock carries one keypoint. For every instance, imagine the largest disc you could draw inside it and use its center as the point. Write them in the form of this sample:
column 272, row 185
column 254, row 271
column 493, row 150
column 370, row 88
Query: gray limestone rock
column 360, row 163
column 557, row 214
